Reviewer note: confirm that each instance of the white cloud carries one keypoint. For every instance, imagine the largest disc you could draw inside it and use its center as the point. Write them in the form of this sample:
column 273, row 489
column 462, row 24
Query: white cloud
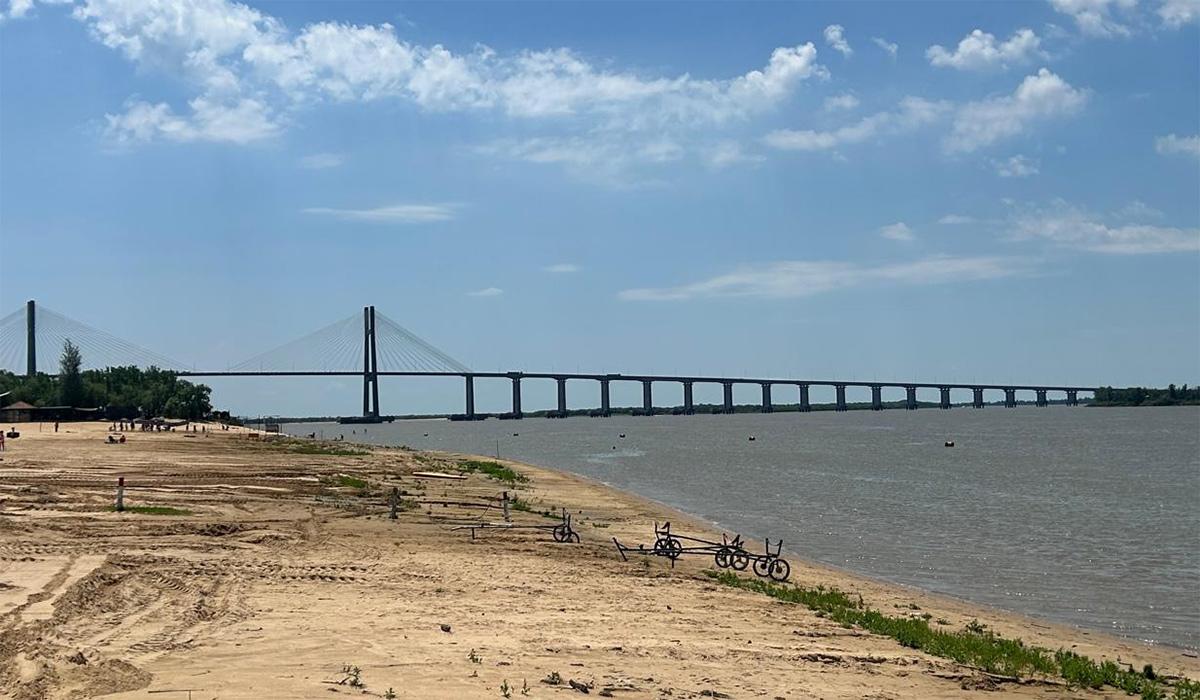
column 1094, row 17
column 836, row 38
column 486, row 292
column 562, row 268
column 16, row 9
column 1016, row 166
column 898, row 231
column 1041, row 96
column 1072, row 227
column 235, row 56
column 956, row 220
column 789, row 279
column 979, row 50
column 1172, row 145
column 912, row 113
column 240, row 121
column 727, row 153
column 843, row 101
column 320, row 161
column 1176, row 13
column 395, row 214
column 890, row 48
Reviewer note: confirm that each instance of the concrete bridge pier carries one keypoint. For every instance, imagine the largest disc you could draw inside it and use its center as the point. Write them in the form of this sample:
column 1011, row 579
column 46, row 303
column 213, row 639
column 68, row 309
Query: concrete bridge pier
column 728, row 387
column 841, row 396
column 910, row 398
column 605, row 403
column 1010, row 398
column 805, row 406
column 470, row 379
column 1041, row 398
column 516, row 395
column 689, row 405
column 976, row 397
column 562, row 396
column 876, row 397
column 647, row 397
column 945, row 390
column 766, row 398
column 1072, row 397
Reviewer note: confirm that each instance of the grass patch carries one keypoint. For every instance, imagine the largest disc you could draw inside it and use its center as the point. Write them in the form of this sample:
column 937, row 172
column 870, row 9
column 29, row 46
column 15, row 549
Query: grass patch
column 493, row 470
column 153, row 510
column 347, row 481
column 518, row 503
column 317, row 448
column 974, row 646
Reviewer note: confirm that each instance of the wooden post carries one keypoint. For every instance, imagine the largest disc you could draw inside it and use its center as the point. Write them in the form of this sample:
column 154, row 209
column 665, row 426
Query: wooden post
column 504, row 503
column 394, row 502
column 120, row 494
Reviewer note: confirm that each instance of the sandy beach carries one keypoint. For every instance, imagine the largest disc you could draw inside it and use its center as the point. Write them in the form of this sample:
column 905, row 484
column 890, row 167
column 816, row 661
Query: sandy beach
column 281, row 576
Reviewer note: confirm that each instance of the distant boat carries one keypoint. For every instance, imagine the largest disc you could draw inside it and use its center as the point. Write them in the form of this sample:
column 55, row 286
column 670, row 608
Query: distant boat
column 752, row 438
column 949, row 443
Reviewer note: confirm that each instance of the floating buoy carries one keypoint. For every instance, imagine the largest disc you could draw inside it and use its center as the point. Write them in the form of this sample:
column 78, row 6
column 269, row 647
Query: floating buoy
column 752, row 438
column 949, row 443
column 622, row 436
column 515, row 434
column 426, row 434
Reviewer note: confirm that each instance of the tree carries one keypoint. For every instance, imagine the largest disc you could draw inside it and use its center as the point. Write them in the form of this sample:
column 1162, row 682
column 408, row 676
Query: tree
column 69, row 378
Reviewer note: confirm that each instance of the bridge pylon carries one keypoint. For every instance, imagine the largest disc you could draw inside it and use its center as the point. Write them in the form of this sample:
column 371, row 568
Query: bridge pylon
column 370, row 365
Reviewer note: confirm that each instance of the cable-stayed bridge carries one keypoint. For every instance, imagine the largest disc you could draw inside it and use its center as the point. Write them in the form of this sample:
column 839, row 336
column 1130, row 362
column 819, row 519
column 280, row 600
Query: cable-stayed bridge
column 371, row 345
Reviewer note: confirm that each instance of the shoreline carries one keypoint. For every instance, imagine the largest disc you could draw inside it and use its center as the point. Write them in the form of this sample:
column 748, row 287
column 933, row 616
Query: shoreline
column 269, row 568
column 715, row 527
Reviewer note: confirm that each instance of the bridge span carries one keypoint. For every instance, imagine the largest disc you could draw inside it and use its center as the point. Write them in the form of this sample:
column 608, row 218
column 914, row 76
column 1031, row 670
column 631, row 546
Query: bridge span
column 345, row 343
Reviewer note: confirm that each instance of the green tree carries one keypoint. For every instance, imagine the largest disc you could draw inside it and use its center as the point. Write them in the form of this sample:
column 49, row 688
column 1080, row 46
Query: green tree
column 70, row 388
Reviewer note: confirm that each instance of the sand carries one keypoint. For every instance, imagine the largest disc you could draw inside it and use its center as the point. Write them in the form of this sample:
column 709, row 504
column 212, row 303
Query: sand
column 279, row 579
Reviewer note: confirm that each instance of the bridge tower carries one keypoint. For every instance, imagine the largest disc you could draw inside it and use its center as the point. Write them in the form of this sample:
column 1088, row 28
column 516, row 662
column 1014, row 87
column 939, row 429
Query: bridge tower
column 370, row 365
column 31, row 338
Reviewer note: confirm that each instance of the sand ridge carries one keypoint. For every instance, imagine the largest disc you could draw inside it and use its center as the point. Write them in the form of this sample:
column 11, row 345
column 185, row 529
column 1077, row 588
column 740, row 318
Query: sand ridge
column 285, row 573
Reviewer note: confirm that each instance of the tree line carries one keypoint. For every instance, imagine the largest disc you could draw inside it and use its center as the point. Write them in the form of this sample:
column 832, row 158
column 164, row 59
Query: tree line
column 124, row 392
column 1142, row 396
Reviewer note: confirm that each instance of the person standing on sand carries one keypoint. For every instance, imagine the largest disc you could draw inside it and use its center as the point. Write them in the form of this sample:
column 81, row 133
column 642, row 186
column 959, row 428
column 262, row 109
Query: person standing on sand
column 56, row 426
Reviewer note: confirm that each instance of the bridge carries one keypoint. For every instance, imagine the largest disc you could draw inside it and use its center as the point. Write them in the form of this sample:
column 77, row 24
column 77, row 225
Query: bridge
column 354, row 346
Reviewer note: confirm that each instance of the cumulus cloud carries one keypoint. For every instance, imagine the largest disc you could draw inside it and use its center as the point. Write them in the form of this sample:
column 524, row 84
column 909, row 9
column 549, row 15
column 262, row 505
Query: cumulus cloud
column 562, row 268
column 1016, row 166
column 890, row 48
column 835, row 36
column 239, row 121
column 838, row 102
column 911, row 113
column 321, row 161
column 1172, row 145
column 1039, row 97
column 486, row 292
column 238, row 58
column 979, row 50
column 1176, row 13
column 394, row 214
column 789, row 279
column 1095, row 17
column 1072, row 227
column 898, row 231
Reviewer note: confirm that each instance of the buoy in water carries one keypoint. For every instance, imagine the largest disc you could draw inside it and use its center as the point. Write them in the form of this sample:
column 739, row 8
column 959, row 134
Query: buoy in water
column 949, row 443
column 426, row 434
column 752, row 438
column 516, row 434
column 622, row 436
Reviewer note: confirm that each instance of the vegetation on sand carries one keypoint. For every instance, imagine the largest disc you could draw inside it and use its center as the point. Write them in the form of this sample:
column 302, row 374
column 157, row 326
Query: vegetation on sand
column 975, row 645
column 154, row 510
column 494, row 470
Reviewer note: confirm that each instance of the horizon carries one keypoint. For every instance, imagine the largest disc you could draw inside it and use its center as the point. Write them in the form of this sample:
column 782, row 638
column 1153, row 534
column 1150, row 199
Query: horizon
column 1001, row 193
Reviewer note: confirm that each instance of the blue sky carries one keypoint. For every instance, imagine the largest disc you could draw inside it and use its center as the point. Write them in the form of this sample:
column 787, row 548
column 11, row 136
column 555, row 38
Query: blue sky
column 957, row 191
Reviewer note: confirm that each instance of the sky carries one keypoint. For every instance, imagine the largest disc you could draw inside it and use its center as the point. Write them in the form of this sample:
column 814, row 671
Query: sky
column 993, row 192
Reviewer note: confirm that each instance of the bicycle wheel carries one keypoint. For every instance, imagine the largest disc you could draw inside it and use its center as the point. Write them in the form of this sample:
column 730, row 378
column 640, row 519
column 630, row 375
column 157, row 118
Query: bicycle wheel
column 780, row 570
column 740, row 561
